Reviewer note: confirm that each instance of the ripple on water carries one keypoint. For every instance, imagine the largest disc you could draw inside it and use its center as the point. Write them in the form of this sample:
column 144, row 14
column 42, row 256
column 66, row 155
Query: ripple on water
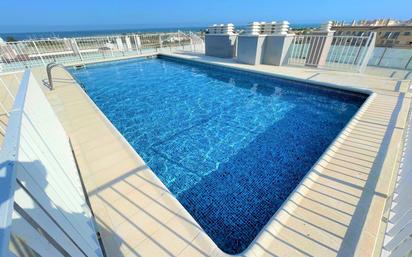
column 230, row 145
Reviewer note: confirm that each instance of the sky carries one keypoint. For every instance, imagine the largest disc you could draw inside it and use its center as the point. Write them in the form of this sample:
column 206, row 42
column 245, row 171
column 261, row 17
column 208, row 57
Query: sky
column 60, row 15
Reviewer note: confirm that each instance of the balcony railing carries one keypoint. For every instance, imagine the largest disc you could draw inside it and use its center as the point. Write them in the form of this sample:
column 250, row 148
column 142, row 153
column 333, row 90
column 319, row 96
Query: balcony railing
column 31, row 53
column 392, row 58
column 398, row 235
column 43, row 209
column 349, row 53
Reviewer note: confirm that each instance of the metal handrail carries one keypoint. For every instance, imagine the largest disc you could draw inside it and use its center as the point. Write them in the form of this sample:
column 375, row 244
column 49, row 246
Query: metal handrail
column 49, row 68
column 8, row 157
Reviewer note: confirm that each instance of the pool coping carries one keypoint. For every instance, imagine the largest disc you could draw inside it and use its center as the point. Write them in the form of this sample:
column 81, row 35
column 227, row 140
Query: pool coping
column 285, row 77
column 299, row 188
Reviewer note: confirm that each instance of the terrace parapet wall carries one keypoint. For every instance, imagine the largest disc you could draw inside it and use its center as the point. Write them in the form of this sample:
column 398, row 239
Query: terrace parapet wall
column 220, row 45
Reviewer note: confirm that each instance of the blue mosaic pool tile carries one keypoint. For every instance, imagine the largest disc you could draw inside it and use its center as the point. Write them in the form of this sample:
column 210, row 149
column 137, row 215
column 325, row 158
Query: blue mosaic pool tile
column 230, row 145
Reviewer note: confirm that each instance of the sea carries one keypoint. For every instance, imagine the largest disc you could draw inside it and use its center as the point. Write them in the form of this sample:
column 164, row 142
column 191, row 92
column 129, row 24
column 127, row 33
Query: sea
column 10, row 36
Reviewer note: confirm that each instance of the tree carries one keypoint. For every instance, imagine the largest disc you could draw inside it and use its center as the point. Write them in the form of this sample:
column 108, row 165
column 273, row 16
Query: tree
column 10, row 39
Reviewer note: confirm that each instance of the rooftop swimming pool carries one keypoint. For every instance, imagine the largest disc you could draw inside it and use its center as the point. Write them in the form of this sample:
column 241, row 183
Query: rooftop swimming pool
column 230, row 145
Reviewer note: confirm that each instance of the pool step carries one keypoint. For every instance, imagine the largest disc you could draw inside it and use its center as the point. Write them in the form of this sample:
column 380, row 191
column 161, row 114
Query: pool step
column 80, row 66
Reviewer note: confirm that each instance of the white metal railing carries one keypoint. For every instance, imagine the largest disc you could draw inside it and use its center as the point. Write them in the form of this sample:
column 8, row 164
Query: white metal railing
column 31, row 53
column 349, row 53
column 398, row 236
column 197, row 43
column 42, row 201
column 7, row 98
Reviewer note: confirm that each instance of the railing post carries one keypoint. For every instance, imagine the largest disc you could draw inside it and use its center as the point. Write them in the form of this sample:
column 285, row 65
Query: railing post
column 407, row 64
column 319, row 49
column 38, row 52
column 178, row 38
column 75, row 48
column 319, row 46
column 7, row 88
column 369, row 50
column 128, row 43
column 358, row 53
column 119, row 44
column 110, row 46
column 160, row 42
column 8, row 158
column 138, row 43
column 192, row 41
column 383, row 54
column 2, row 45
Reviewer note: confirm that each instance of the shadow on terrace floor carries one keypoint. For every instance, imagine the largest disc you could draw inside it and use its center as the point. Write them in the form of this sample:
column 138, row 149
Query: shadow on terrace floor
column 328, row 216
column 42, row 203
column 330, row 209
column 144, row 218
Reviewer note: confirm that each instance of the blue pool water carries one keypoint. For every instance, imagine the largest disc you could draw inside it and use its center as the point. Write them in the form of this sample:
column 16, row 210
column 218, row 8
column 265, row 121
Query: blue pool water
column 230, row 145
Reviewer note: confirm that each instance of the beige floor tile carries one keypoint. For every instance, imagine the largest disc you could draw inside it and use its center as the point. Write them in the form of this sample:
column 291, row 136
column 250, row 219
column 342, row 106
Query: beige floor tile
column 141, row 217
column 168, row 240
column 201, row 245
column 104, row 151
column 152, row 248
column 138, row 228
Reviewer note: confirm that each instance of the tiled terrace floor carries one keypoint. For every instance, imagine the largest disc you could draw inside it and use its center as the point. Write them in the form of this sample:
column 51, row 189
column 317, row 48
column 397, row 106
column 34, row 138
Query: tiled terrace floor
column 337, row 210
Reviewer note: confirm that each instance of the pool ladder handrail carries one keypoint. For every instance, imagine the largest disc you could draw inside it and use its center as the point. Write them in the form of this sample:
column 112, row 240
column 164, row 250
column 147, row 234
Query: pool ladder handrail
column 49, row 68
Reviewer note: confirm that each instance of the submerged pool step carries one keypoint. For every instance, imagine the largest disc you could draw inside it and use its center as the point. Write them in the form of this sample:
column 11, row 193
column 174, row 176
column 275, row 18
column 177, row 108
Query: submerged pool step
column 79, row 67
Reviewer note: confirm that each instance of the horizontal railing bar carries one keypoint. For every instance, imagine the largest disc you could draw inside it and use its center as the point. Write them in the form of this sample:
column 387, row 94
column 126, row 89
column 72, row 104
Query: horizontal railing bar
column 31, row 53
column 8, row 156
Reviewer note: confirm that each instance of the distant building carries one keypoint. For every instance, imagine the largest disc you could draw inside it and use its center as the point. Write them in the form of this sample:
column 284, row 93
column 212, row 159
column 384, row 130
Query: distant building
column 408, row 22
column 396, row 36
column 377, row 22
